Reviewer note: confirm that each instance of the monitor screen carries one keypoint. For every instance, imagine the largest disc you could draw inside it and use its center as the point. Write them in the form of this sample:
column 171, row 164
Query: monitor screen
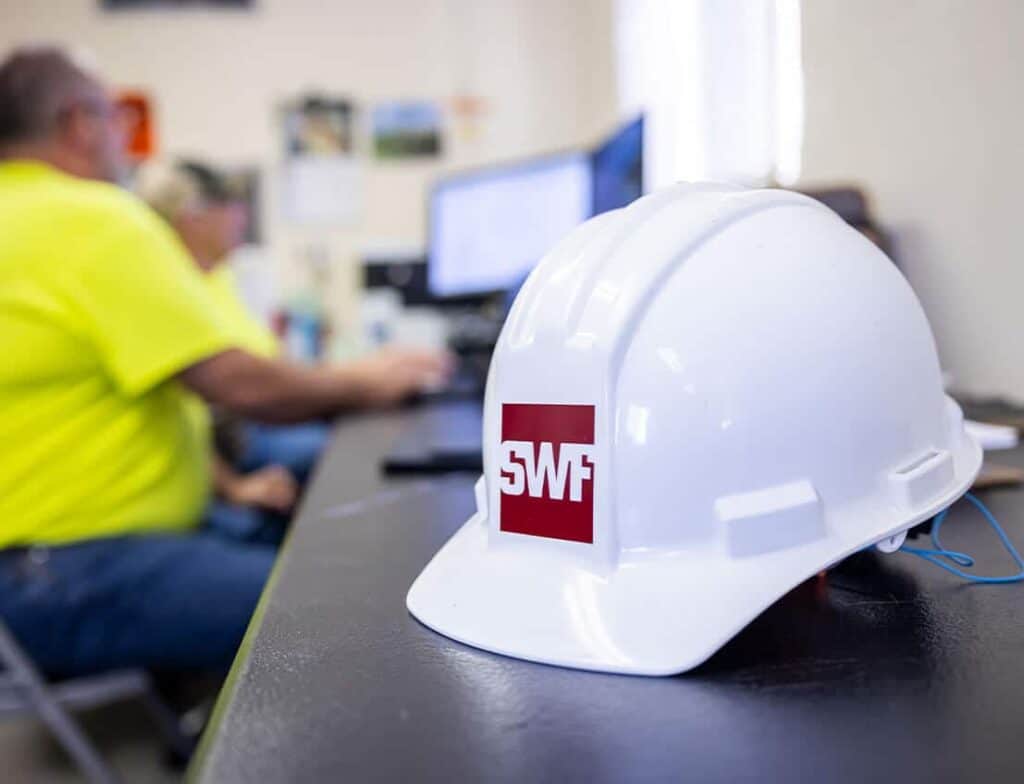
column 619, row 168
column 489, row 228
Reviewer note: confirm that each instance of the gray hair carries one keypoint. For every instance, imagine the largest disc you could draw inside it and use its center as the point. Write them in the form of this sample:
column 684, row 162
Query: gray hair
column 37, row 85
column 169, row 190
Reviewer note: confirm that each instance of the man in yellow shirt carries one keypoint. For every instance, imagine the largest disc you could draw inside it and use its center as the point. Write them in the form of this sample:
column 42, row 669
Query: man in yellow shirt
column 106, row 329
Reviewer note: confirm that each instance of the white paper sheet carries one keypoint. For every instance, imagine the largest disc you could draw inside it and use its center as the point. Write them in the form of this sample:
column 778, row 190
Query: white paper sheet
column 992, row 437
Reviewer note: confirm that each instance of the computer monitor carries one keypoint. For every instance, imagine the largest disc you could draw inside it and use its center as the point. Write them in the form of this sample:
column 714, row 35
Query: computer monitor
column 618, row 168
column 490, row 227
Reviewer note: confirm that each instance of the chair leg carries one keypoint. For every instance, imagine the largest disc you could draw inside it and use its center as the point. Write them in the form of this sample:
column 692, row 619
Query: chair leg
column 33, row 687
column 74, row 741
column 167, row 723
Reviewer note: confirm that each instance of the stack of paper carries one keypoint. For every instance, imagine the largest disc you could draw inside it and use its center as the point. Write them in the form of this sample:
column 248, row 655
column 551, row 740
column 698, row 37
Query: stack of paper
column 992, row 437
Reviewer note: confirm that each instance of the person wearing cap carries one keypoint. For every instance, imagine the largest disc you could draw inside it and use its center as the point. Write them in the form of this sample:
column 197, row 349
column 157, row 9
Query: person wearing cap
column 109, row 333
column 208, row 214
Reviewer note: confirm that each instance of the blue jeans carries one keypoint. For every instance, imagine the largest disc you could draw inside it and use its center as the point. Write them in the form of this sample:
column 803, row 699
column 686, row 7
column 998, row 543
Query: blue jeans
column 165, row 601
column 245, row 523
column 296, row 447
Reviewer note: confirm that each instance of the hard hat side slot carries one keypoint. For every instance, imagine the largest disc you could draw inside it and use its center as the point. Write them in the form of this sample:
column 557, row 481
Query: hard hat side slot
column 771, row 519
column 923, row 478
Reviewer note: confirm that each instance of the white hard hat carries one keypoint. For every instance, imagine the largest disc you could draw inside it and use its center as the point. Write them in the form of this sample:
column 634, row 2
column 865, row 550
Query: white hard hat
column 697, row 403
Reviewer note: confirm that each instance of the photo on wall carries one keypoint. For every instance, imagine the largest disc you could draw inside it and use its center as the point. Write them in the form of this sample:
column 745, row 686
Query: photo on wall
column 138, row 123
column 406, row 129
column 140, row 5
column 319, row 126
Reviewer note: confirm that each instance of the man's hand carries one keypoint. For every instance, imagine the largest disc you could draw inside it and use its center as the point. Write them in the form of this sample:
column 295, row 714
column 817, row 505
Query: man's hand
column 269, row 488
column 391, row 375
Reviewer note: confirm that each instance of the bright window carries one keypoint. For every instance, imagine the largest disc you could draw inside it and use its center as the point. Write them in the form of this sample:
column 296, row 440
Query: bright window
column 721, row 83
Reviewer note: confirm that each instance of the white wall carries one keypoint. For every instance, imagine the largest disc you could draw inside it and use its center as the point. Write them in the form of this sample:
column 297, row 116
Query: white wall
column 921, row 102
column 917, row 100
column 544, row 67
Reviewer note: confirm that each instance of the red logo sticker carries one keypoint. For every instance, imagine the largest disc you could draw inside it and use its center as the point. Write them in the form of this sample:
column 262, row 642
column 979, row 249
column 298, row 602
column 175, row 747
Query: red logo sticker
column 547, row 471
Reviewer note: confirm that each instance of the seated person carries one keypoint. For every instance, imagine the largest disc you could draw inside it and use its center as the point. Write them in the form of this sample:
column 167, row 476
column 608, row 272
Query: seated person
column 109, row 333
column 209, row 217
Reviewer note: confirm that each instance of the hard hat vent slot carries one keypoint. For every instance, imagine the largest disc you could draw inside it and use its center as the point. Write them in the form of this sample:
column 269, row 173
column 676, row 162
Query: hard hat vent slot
column 923, row 478
column 925, row 458
column 770, row 519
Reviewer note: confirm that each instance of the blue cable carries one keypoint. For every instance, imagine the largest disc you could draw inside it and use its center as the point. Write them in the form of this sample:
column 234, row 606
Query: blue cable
column 962, row 559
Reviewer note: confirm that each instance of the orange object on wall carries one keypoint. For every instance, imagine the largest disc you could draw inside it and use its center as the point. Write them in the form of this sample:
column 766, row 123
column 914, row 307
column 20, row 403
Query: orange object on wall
column 136, row 112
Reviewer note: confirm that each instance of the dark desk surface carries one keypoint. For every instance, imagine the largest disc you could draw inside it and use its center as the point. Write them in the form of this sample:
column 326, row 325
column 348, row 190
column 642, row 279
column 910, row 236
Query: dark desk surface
column 890, row 671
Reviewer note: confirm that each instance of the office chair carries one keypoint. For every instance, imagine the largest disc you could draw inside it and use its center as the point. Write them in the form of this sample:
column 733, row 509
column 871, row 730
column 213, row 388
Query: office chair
column 852, row 205
column 24, row 691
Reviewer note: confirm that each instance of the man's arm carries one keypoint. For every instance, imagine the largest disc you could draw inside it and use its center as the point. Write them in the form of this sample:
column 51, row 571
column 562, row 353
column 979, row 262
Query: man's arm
column 274, row 390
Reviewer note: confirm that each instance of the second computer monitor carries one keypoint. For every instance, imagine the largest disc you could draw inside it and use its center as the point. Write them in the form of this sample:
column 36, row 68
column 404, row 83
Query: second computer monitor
column 489, row 228
column 618, row 168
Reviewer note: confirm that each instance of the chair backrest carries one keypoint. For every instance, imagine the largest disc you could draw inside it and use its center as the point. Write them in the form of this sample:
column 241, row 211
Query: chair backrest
column 848, row 202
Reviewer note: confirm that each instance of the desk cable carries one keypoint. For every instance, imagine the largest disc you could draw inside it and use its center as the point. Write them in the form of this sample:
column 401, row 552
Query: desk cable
column 940, row 555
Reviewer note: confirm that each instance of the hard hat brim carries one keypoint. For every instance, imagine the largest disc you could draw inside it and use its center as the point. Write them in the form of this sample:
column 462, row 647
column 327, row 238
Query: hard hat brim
column 658, row 615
